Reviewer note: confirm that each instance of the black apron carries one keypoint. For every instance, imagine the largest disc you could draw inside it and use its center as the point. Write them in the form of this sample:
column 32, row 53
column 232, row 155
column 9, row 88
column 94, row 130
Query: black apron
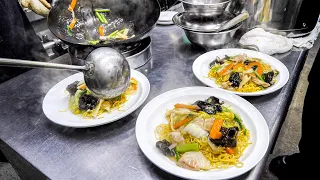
column 18, row 40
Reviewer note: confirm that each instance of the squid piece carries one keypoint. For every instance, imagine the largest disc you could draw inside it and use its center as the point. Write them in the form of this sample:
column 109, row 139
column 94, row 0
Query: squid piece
column 177, row 137
column 208, row 124
column 244, row 80
column 194, row 161
column 240, row 58
column 199, row 121
column 195, row 130
column 215, row 149
column 259, row 82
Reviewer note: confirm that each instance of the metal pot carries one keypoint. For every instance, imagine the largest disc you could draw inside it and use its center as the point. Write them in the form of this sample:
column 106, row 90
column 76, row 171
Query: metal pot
column 207, row 7
column 211, row 40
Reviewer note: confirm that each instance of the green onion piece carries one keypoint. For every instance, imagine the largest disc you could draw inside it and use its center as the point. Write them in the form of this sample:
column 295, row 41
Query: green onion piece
column 182, row 148
column 99, row 17
column 93, row 42
column 113, row 34
column 104, row 20
column 102, row 10
column 238, row 121
column 177, row 154
column 69, row 31
column 258, row 76
column 121, row 31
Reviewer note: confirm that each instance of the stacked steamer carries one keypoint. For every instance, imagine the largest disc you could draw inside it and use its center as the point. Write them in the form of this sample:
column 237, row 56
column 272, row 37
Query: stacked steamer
column 202, row 20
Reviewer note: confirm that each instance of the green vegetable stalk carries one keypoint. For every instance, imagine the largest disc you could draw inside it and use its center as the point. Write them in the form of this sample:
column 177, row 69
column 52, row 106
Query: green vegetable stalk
column 238, row 121
column 113, row 34
column 69, row 31
column 258, row 76
column 102, row 10
column 103, row 19
column 99, row 16
column 182, row 148
column 177, row 154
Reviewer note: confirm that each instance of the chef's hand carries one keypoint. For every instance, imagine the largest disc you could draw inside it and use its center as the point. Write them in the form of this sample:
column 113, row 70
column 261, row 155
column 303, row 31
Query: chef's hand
column 41, row 7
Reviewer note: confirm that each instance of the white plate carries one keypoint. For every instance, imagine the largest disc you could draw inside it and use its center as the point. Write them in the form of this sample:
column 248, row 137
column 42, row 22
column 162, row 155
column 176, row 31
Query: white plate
column 153, row 114
column 56, row 100
column 200, row 69
column 166, row 16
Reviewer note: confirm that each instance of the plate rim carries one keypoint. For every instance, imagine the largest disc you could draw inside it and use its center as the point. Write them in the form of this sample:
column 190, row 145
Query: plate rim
column 136, row 105
column 144, row 112
column 199, row 59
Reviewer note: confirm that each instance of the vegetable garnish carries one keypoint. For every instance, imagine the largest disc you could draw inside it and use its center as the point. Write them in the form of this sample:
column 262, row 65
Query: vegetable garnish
column 113, row 34
column 257, row 74
column 259, row 69
column 73, row 22
column 227, row 68
column 102, row 10
column 238, row 121
column 182, row 148
column 230, row 150
column 238, row 66
column 72, row 5
column 69, row 31
column 93, row 42
column 215, row 130
column 99, row 17
column 104, row 20
column 101, row 31
column 183, row 122
column 192, row 107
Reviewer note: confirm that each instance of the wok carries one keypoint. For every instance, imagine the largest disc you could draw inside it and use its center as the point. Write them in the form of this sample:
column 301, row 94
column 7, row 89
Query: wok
column 139, row 15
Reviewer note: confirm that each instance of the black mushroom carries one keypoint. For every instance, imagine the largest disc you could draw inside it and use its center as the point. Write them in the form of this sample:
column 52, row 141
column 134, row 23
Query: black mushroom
column 235, row 79
column 210, row 108
column 255, row 67
column 206, row 107
column 228, row 138
column 246, row 62
column 87, row 102
column 268, row 77
column 213, row 100
column 72, row 88
column 164, row 148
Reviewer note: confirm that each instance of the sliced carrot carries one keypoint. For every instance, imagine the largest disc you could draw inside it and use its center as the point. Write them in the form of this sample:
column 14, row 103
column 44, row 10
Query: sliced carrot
column 72, row 5
column 73, row 22
column 215, row 130
column 186, row 106
column 101, row 32
column 183, row 122
column 82, row 87
column 237, row 66
column 230, row 150
column 259, row 69
column 227, row 68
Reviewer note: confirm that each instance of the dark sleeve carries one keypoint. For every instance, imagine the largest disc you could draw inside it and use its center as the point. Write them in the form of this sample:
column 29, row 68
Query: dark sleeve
column 17, row 38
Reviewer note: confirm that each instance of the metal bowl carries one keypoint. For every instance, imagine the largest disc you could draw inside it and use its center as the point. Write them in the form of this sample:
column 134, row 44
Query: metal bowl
column 211, row 40
column 207, row 7
column 194, row 21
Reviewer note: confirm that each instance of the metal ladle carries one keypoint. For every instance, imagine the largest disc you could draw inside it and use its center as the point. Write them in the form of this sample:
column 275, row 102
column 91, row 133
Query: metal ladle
column 106, row 72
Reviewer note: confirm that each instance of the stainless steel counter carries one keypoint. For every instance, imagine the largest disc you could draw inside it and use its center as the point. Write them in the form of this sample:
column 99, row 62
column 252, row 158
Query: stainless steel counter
column 38, row 148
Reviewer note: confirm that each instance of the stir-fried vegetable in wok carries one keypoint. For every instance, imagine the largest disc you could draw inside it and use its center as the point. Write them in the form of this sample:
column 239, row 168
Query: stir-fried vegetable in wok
column 103, row 28
column 242, row 73
column 202, row 136
column 83, row 102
